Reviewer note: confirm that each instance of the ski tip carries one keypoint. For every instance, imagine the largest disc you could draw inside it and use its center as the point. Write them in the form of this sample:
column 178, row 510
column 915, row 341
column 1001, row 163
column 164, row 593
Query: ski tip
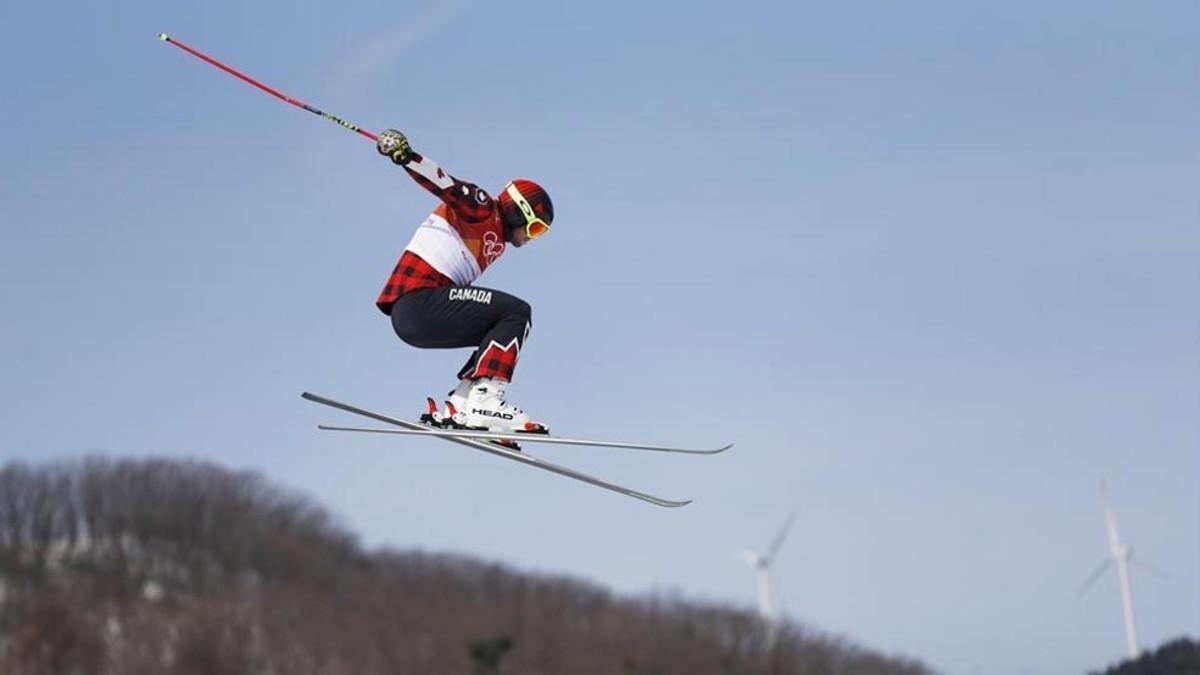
column 164, row 37
column 697, row 451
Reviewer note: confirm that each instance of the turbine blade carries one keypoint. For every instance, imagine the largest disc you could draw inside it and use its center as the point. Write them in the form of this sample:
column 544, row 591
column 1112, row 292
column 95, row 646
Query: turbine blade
column 1092, row 579
column 1110, row 521
column 783, row 533
column 1150, row 569
column 1114, row 538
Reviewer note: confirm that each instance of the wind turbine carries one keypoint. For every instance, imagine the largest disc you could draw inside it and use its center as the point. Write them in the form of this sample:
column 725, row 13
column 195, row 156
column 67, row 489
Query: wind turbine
column 1122, row 553
column 761, row 562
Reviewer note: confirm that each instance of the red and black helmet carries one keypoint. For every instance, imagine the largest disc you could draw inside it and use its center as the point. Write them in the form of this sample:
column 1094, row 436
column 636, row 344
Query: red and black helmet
column 524, row 203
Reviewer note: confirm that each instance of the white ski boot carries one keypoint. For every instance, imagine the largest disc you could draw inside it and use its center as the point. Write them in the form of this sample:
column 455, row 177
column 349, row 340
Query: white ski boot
column 458, row 398
column 484, row 409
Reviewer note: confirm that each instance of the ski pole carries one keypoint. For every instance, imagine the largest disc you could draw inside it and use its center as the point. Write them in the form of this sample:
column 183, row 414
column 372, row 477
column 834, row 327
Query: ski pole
column 277, row 94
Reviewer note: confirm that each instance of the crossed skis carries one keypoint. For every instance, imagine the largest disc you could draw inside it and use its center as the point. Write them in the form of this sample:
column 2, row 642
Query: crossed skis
column 482, row 440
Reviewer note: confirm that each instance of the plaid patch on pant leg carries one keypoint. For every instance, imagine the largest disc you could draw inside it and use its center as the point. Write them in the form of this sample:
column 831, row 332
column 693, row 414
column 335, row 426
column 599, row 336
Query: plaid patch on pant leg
column 498, row 361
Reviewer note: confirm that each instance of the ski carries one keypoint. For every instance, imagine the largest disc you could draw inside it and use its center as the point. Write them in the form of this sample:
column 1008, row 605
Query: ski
column 531, row 438
column 500, row 451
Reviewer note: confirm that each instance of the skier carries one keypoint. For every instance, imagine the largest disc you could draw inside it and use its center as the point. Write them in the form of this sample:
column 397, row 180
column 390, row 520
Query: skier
column 432, row 302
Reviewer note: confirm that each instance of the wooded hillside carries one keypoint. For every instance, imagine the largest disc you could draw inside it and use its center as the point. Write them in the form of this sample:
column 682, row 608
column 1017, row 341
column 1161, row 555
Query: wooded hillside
column 157, row 566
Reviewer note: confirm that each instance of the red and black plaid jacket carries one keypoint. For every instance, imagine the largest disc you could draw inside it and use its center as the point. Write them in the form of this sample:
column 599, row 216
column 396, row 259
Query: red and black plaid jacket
column 411, row 273
column 466, row 204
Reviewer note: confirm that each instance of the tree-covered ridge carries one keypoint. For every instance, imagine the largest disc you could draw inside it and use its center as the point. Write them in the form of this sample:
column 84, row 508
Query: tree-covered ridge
column 183, row 567
column 1177, row 657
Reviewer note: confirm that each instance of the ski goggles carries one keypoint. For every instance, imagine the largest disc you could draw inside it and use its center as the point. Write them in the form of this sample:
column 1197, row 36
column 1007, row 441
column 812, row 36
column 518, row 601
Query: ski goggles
column 534, row 226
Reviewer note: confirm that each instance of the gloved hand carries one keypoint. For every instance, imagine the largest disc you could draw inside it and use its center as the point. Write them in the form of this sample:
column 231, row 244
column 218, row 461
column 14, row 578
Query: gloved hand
column 395, row 145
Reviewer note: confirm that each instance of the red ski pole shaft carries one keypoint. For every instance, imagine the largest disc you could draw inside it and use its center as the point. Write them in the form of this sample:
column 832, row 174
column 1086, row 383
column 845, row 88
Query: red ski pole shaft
column 277, row 94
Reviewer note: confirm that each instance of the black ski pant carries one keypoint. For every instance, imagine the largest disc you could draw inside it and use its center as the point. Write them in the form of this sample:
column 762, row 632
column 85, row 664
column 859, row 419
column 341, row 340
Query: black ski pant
column 492, row 321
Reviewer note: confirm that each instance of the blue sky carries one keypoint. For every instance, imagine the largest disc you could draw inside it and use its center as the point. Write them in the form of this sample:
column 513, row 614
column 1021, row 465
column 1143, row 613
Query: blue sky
column 932, row 267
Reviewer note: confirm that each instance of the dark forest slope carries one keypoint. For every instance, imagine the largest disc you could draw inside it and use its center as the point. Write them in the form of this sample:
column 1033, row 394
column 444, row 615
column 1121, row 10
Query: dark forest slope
column 180, row 567
column 1177, row 657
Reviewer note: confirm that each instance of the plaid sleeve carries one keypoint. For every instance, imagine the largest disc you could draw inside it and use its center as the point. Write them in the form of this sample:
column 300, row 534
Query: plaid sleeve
column 471, row 202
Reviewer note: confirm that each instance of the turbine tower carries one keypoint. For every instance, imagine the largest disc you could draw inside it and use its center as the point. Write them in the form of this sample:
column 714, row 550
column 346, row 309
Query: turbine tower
column 761, row 562
column 1122, row 553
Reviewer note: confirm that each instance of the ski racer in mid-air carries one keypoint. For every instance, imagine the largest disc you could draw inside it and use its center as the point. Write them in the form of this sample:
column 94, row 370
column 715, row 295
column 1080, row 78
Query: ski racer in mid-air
column 430, row 298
